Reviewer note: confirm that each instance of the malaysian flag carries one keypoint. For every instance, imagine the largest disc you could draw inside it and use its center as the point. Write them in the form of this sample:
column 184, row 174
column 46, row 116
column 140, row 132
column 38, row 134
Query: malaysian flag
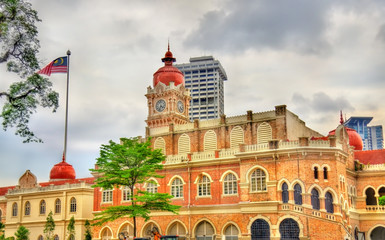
column 59, row 65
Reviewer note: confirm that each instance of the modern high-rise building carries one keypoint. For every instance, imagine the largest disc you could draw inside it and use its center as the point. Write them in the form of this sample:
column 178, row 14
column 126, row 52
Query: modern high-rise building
column 205, row 77
column 372, row 136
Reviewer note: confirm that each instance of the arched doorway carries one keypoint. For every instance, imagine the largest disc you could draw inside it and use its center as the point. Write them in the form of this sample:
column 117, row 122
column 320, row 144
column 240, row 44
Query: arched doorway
column 378, row 233
column 260, row 230
column 289, row 229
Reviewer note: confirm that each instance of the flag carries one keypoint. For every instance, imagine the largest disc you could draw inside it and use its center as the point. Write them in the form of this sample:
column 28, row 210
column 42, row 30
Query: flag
column 59, row 65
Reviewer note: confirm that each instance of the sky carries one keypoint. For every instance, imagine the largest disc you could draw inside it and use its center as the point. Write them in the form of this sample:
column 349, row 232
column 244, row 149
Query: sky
column 317, row 57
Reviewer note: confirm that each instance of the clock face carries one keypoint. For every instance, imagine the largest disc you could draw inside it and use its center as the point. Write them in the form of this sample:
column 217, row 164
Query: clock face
column 180, row 106
column 160, row 105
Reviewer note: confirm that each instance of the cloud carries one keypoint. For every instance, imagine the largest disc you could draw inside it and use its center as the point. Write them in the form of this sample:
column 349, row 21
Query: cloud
column 320, row 102
column 264, row 24
column 381, row 33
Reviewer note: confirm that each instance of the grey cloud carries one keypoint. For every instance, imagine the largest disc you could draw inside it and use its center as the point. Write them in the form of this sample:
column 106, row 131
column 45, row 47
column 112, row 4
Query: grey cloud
column 381, row 33
column 264, row 24
column 320, row 102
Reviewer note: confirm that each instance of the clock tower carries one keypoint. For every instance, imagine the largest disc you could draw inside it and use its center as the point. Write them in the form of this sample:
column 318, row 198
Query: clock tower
column 168, row 100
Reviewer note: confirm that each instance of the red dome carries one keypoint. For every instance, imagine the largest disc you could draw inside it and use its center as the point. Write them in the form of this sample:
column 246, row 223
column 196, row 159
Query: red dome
column 355, row 139
column 62, row 171
column 168, row 73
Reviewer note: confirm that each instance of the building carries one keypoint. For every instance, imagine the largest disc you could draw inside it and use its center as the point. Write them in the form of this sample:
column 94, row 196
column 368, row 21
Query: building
column 262, row 175
column 29, row 203
column 372, row 136
column 205, row 78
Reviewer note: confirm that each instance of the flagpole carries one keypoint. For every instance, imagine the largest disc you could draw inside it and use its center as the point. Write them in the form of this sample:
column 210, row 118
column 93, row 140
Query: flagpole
column 66, row 118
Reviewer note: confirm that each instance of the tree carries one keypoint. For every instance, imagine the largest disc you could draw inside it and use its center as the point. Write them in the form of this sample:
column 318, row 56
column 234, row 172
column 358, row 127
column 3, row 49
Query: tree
column 129, row 164
column 88, row 233
column 2, row 226
column 381, row 200
column 49, row 227
column 22, row 233
column 71, row 229
column 19, row 47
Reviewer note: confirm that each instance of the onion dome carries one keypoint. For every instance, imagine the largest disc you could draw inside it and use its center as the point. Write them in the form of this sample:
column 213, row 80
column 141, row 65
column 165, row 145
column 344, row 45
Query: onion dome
column 62, row 171
column 355, row 139
column 168, row 73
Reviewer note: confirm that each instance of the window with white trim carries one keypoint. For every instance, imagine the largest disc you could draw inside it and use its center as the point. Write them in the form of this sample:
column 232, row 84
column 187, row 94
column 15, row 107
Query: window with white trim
column 107, row 196
column 230, row 185
column 126, row 194
column 177, row 188
column 258, row 181
column 152, row 187
column 204, row 186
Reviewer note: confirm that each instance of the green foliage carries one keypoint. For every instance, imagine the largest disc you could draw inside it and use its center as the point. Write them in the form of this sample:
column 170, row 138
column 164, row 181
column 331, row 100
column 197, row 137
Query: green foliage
column 22, row 233
column 381, row 200
column 18, row 36
column 23, row 99
column 19, row 47
column 71, row 228
column 88, row 233
column 49, row 227
column 130, row 163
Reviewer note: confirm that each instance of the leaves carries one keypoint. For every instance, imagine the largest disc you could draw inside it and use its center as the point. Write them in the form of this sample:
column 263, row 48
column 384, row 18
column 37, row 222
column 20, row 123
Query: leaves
column 23, row 99
column 19, row 47
column 22, row 233
column 131, row 163
column 49, row 227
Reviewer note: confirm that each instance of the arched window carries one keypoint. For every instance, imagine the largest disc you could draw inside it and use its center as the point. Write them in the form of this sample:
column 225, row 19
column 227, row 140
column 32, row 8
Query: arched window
column 329, row 202
column 325, row 173
column 285, row 193
column 27, row 209
column 378, row 233
column 230, row 184
column 127, row 231
column 14, row 209
column 236, row 137
column 106, row 234
column 258, row 181
column 160, row 144
column 204, row 186
column 149, row 229
column 289, row 229
column 370, row 198
column 56, row 237
column 57, row 206
column 315, row 199
column 1, row 214
column 264, row 133
column 315, row 172
column 204, row 231
column 381, row 192
column 177, row 188
column 231, row 232
column 40, row 237
column 152, row 187
column 42, row 207
column 210, row 141
column 297, row 194
column 177, row 229
column 72, row 237
column 107, row 196
column 184, row 144
column 126, row 194
column 73, row 205
column 260, row 230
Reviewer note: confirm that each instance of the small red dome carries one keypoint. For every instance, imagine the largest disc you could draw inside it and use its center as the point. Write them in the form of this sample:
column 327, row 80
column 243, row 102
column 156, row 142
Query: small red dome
column 62, row 171
column 168, row 73
column 355, row 139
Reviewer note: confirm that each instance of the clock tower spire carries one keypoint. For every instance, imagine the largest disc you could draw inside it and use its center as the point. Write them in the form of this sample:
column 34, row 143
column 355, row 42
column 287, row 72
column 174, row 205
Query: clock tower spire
column 168, row 99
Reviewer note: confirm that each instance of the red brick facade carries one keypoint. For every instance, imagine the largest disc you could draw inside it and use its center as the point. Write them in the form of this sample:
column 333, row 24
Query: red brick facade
column 234, row 173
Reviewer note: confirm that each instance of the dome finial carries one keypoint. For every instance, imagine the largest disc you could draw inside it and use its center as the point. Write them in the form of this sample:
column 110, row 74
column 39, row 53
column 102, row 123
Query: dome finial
column 341, row 118
column 168, row 45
